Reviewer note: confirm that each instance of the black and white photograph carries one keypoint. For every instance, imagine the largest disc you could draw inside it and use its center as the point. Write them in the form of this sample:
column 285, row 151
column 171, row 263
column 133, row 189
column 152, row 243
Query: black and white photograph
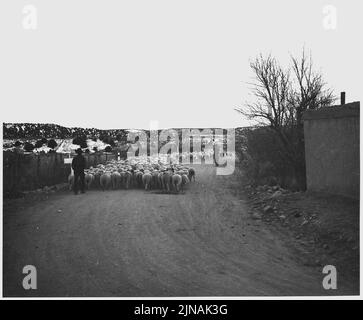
column 174, row 149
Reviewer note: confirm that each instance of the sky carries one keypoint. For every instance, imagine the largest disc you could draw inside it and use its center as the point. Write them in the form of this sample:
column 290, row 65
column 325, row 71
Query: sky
column 126, row 64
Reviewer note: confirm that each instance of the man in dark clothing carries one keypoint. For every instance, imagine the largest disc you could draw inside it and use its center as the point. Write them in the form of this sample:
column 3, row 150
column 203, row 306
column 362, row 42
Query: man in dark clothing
column 78, row 166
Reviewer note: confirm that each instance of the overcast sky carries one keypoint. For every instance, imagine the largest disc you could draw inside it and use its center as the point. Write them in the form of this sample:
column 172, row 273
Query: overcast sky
column 185, row 63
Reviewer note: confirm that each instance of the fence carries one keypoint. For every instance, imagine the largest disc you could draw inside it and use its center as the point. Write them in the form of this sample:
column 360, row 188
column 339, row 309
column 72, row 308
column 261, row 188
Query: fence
column 23, row 172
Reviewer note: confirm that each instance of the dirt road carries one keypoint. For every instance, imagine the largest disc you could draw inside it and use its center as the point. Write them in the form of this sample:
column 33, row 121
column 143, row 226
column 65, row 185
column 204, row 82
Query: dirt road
column 137, row 243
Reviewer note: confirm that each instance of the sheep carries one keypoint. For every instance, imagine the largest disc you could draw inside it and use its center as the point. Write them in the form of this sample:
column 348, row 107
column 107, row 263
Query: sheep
column 128, row 178
column 146, row 180
column 155, row 180
column 145, row 172
column 96, row 179
column 138, row 178
column 123, row 178
column 176, row 181
column 116, row 180
column 160, row 178
column 71, row 181
column 167, row 180
column 88, row 179
column 105, row 181
column 191, row 174
column 132, row 178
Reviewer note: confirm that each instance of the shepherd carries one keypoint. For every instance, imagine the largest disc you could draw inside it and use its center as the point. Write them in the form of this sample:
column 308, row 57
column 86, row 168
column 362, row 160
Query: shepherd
column 78, row 166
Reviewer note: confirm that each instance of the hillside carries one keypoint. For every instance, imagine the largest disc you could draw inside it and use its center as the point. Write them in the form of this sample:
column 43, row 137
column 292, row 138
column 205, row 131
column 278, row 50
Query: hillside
column 54, row 131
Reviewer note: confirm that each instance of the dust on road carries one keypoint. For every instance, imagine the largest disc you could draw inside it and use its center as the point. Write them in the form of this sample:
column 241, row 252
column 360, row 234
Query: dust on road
column 137, row 243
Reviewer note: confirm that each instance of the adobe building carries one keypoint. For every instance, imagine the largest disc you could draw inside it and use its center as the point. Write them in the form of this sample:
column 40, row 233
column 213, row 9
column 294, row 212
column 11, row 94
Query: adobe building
column 332, row 149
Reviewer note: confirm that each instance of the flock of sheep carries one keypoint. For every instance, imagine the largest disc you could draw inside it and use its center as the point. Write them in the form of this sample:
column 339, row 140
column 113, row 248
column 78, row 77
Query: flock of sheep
column 144, row 172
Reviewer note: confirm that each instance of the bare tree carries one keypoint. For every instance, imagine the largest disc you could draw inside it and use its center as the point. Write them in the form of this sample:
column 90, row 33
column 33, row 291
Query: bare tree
column 283, row 95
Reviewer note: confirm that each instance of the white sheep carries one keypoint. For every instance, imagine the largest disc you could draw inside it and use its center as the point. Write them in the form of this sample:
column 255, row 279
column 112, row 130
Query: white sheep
column 105, row 181
column 146, row 180
column 88, row 179
column 176, row 182
column 116, row 180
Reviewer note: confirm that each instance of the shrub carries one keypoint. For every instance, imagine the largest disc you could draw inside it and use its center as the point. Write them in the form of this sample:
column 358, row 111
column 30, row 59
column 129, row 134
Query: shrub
column 107, row 139
column 52, row 143
column 81, row 141
column 108, row 149
column 263, row 159
column 28, row 147
column 121, row 137
column 39, row 144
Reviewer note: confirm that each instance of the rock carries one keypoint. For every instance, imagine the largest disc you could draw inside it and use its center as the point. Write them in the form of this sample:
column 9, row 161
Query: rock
column 256, row 216
column 282, row 217
column 325, row 246
column 59, row 211
column 268, row 209
column 304, row 222
column 276, row 194
column 297, row 214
